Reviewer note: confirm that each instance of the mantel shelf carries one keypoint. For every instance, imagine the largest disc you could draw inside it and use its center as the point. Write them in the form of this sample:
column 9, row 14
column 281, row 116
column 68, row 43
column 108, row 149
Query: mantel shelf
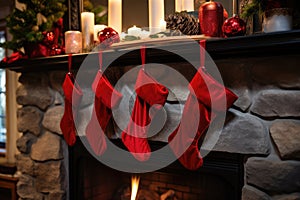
column 259, row 45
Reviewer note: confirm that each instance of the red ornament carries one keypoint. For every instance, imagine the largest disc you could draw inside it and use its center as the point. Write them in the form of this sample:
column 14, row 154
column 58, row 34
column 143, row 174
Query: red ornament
column 60, row 22
column 108, row 36
column 234, row 26
column 271, row 4
column 55, row 50
column 48, row 38
column 225, row 14
column 58, row 32
column 34, row 50
column 211, row 16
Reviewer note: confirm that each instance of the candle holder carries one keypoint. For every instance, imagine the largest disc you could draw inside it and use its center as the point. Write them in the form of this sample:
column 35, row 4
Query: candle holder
column 73, row 42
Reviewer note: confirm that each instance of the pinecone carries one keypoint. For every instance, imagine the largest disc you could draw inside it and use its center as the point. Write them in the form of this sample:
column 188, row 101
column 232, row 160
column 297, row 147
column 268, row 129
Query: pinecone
column 185, row 23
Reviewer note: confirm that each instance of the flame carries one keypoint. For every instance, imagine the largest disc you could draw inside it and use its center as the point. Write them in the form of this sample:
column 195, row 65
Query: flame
column 134, row 186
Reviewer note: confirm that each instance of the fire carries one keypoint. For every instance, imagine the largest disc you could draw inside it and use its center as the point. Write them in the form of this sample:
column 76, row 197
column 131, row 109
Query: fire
column 134, row 186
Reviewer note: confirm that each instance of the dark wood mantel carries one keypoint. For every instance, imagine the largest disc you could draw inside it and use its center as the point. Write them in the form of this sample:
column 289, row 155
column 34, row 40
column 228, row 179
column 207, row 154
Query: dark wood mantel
column 268, row 44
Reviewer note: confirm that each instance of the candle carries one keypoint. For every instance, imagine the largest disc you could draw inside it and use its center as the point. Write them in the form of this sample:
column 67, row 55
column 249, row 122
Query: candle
column 188, row 5
column 135, row 31
column 156, row 14
column 162, row 25
column 87, row 27
column 178, row 5
column 144, row 34
column 97, row 28
column 73, row 42
column 115, row 15
column 234, row 8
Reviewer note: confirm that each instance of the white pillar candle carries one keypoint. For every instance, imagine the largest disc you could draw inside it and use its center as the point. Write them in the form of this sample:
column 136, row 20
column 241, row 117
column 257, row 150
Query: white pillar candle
column 156, row 14
column 115, row 15
column 162, row 25
column 135, row 31
column 178, row 5
column 188, row 5
column 87, row 28
column 98, row 28
column 73, row 42
column 144, row 34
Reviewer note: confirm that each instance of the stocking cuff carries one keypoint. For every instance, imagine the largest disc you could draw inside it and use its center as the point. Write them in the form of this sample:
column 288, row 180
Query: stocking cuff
column 72, row 90
column 218, row 93
column 105, row 91
column 150, row 90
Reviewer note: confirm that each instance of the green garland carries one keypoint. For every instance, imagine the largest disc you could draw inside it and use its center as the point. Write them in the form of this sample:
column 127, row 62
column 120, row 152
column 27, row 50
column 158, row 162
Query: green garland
column 99, row 10
column 27, row 25
column 255, row 7
column 260, row 6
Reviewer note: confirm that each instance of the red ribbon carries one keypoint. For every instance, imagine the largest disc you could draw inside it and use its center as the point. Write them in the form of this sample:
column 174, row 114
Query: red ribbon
column 100, row 60
column 14, row 57
column 69, row 62
column 202, row 52
column 58, row 31
column 143, row 56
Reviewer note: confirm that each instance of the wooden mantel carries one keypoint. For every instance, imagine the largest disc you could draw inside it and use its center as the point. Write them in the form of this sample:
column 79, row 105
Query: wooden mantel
column 268, row 44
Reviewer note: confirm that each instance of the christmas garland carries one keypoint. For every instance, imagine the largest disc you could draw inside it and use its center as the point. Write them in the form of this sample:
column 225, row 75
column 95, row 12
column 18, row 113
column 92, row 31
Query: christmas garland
column 30, row 24
column 260, row 6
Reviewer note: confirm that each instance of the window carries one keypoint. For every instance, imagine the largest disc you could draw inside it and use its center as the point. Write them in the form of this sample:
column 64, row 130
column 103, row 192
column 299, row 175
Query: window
column 8, row 109
column 2, row 96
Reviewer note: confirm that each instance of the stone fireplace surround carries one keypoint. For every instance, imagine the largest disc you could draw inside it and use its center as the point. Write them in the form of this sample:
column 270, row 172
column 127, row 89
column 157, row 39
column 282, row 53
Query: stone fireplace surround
column 263, row 125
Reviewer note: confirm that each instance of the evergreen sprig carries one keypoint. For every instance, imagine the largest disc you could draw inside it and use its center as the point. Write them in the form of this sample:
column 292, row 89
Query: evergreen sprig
column 255, row 7
column 27, row 25
column 99, row 10
column 260, row 6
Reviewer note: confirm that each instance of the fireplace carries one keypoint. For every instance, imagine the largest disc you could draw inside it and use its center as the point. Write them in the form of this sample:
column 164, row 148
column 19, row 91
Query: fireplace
column 256, row 156
column 221, row 177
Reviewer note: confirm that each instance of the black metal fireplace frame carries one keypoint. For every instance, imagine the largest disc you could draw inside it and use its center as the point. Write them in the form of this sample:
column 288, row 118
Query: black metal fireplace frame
column 227, row 165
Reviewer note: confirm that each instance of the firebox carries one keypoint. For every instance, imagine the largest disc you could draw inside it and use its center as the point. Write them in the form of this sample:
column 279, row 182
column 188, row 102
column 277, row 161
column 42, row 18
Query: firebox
column 221, row 177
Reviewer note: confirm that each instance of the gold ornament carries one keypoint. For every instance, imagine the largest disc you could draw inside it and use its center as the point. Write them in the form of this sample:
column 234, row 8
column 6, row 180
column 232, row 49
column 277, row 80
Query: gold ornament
column 35, row 28
column 40, row 19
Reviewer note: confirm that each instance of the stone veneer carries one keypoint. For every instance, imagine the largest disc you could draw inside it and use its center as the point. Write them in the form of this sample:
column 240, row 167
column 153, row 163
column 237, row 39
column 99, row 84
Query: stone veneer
column 263, row 125
column 43, row 160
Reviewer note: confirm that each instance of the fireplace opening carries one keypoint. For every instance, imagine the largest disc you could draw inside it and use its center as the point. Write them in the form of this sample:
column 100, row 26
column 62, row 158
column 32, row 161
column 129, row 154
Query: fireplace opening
column 221, row 177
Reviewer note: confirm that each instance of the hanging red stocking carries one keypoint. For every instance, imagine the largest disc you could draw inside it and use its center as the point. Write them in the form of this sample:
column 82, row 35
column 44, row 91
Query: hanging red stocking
column 73, row 95
column 106, row 98
column 151, row 97
column 184, row 136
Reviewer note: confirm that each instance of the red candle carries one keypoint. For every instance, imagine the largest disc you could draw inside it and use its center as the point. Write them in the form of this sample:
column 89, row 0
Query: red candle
column 211, row 18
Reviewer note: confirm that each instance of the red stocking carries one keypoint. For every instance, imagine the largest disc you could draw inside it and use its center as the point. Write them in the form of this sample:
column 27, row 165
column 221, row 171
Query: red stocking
column 106, row 98
column 191, row 158
column 149, row 94
column 73, row 95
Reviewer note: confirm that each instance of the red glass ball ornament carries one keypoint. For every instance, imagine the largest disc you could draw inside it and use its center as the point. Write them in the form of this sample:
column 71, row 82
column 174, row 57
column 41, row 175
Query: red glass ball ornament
column 108, row 36
column 211, row 18
column 60, row 22
column 234, row 26
column 225, row 14
column 48, row 37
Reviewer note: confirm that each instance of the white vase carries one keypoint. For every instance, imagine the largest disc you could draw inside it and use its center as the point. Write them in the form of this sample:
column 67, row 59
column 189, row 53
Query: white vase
column 278, row 19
